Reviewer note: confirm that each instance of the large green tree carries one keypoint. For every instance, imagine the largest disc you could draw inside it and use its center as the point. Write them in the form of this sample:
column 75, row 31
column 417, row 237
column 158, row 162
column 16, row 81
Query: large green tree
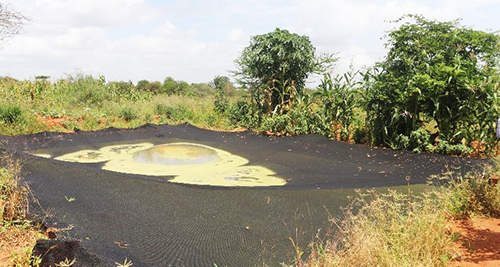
column 436, row 71
column 276, row 65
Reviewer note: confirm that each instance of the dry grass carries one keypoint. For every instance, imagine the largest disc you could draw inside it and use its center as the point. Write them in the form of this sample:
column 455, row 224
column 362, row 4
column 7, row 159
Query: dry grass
column 390, row 229
column 18, row 234
column 396, row 229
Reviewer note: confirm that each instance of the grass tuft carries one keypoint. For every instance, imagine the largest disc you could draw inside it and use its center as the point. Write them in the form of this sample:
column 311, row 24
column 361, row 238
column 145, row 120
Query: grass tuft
column 18, row 234
column 389, row 229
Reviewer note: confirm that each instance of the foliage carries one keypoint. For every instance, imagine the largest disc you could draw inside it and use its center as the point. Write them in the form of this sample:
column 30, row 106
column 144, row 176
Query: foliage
column 243, row 114
column 438, row 71
column 11, row 114
column 88, row 89
column 340, row 97
column 90, row 103
column 276, row 63
column 444, row 147
column 127, row 114
column 146, row 86
column 123, row 90
column 173, row 87
column 224, row 83
column 221, row 102
column 420, row 141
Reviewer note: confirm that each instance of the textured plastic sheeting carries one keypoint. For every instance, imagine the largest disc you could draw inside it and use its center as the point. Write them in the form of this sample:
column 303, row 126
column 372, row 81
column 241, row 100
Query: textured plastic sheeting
column 157, row 223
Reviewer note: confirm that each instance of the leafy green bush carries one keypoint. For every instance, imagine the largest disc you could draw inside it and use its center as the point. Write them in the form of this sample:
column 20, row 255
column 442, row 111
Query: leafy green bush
column 221, row 103
column 178, row 113
column 444, row 147
column 146, row 86
column 419, row 140
column 276, row 124
column 430, row 75
column 11, row 114
column 238, row 113
column 87, row 89
column 359, row 136
column 173, row 87
column 126, row 90
column 400, row 142
column 127, row 114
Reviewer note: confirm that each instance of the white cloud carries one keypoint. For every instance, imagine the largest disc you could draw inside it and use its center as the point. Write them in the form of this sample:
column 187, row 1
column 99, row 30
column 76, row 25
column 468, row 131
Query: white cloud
column 196, row 40
column 235, row 35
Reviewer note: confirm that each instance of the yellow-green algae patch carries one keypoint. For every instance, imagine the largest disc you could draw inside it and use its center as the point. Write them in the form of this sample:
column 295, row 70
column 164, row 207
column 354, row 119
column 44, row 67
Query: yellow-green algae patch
column 43, row 155
column 104, row 154
column 189, row 163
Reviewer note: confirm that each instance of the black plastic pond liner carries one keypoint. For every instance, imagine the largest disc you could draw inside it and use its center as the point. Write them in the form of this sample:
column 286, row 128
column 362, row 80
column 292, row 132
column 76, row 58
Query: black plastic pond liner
column 156, row 223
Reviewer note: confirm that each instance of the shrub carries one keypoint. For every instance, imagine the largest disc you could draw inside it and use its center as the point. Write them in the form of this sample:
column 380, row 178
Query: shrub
column 123, row 90
column 11, row 114
column 127, row 114
column 444, row 147
column 359, row 136
column 400, row 142
column 221, row 103
column 419, row 140
column 276, row 124
column 178, row 113
column 88, row 89
column 238, row 112
column 173, row 87
column 143, row 85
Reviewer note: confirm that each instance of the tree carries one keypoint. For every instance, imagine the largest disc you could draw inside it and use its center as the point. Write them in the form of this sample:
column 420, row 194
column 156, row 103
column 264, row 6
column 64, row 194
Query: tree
column 173, row 87
column 277, row 64
column 435, row 71
column 219, row 82
column 223, row 87
column 11, row 22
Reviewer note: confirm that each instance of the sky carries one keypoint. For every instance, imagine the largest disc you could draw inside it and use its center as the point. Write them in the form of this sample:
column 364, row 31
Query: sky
column 196, row 40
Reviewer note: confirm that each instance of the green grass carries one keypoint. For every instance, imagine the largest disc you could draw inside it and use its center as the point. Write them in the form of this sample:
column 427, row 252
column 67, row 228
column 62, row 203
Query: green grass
column 89, row 103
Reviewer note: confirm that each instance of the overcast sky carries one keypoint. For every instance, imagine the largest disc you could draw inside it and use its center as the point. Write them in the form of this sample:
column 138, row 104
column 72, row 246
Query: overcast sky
column 197, row 40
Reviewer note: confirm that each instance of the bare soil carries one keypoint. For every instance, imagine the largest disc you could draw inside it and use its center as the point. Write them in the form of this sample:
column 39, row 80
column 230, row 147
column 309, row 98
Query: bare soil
column 479, row 242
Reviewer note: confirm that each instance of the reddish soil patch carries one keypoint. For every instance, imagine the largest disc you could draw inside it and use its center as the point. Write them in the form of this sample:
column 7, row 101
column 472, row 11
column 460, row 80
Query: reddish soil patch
column 479, row 242
column 238, row 130
column 53, row 122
